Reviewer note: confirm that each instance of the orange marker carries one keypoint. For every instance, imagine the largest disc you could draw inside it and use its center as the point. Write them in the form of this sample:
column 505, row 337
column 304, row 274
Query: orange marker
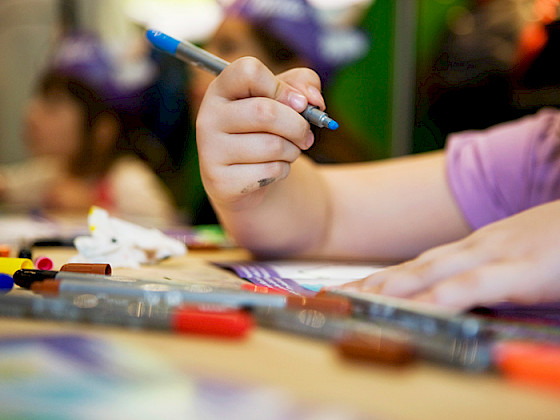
column 5, row 250
column 250, row 287
column 529, row 362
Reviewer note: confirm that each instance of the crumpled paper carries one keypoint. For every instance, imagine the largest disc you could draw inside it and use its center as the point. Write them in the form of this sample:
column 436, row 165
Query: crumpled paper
column 123, row 244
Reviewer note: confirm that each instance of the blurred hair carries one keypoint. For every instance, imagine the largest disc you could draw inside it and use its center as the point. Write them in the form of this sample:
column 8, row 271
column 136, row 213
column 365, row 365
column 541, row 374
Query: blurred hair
column 93, row 106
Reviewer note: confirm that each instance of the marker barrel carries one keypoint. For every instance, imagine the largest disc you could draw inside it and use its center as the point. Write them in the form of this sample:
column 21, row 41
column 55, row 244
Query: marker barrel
column 200, row 58
column 128, row 313
column 174, row 294
column 215, row 65
column 11, row 265
column 467, row 353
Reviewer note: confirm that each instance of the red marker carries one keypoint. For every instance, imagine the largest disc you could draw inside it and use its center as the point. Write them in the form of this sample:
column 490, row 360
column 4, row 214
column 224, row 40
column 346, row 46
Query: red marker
column 221, row 322
column 530, row 362
column 211, row 321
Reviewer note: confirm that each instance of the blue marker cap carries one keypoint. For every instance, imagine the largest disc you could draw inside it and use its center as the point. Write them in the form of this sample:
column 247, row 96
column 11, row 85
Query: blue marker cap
column 162, row 41
column 6, row 283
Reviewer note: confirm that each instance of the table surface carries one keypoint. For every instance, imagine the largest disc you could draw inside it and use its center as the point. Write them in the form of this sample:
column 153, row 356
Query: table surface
column 311, row 369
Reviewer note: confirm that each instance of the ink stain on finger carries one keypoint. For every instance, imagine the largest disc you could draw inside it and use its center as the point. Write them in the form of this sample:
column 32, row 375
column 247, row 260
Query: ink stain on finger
column 262, row 183
column 266, row 181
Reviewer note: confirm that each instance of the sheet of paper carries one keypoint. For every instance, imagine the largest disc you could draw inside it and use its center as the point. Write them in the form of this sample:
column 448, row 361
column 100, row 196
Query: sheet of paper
column 299, row 276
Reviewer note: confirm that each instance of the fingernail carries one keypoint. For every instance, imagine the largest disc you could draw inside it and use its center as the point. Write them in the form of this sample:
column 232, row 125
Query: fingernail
column 315, row 94
column 297, row 101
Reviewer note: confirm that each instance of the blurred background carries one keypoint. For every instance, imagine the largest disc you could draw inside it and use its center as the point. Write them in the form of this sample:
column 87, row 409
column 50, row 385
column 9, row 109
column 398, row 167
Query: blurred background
column 419, row 70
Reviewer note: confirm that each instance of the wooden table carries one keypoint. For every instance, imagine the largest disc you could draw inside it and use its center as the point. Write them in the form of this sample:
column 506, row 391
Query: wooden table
column 312, row 369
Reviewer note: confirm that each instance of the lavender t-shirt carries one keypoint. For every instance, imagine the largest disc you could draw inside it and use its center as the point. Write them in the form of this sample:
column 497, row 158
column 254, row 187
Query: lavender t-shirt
column 506, row 169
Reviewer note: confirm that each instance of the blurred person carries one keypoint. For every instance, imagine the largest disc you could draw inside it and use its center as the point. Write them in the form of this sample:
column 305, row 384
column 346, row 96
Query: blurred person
column 80, row 140
column 497, row 63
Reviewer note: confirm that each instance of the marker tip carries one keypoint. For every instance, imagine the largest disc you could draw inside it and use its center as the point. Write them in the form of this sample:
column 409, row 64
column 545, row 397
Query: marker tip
column 333, row 125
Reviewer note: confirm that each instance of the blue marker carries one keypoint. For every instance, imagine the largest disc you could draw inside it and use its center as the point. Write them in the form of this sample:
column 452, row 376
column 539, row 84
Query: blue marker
column 209, row 62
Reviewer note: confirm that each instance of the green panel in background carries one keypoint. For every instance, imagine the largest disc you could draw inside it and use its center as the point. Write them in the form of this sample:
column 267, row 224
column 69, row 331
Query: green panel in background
column 433, row 16
column 364, row 94
column 361, row 93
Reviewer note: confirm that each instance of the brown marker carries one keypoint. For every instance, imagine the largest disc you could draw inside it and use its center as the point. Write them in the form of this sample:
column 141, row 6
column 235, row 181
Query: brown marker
column 104, row 269
column 48, row 287
column 380, row 349
column 355, row 339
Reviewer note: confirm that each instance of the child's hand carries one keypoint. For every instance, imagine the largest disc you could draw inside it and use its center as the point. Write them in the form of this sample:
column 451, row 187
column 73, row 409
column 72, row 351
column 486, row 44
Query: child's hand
column 515, row 259
column 249, row 130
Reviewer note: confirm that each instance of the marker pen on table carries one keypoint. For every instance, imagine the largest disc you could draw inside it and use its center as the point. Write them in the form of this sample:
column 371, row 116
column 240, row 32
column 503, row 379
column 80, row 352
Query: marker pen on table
column 53, row 242
column 185, row 319
column 533, row 363
column 359, row 339
column 402, row 314
column 69, row 285
column 201, row 58
column 173, row 295
column 26, row 276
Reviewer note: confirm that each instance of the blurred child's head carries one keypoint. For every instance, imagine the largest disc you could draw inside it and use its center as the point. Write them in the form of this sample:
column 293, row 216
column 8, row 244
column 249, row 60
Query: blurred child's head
column 284, row 34
column 74, row 113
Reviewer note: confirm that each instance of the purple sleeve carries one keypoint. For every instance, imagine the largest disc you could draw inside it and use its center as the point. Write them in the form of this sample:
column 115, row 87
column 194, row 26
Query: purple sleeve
column 506, row 169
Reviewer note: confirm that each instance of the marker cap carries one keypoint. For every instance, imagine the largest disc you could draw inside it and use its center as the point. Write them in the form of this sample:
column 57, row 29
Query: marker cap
column 250, row 287
column 5, row 250
column 25, row 253
column 223, row 323
column 104, row 269
column 6, row 283
column 11, row 265
column 529, row 362
column 43, row 263
column 25, row 277
column 163, row 41
column 376, row 349
column 327, row 304
column 49, row 287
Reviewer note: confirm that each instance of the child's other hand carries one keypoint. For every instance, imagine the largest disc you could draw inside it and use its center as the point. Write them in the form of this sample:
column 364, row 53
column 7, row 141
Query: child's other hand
column 515, row 259
column 249, row 129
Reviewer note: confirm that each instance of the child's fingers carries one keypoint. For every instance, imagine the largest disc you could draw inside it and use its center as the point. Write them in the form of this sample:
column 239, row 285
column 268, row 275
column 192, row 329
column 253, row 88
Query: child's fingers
column 430, row 268
column 306, row 81
column 496, row 282
column 258, row 148
column 268, row 116
column 248, row 77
